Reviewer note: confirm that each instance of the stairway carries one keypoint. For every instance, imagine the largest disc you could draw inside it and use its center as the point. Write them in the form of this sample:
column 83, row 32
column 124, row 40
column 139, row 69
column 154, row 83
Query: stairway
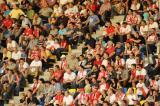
column 16, row 99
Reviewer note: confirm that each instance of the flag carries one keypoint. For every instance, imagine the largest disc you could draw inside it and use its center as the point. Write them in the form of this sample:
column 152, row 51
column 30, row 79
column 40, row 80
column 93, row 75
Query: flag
column 144, row 90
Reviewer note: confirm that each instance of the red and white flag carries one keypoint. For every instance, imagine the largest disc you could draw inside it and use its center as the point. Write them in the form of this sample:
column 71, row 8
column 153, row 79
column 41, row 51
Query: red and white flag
column 144, row 90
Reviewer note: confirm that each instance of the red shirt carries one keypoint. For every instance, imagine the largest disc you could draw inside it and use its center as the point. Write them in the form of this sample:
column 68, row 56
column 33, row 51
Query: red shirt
column 104, row 86
column 128, row 19
column 3, row 6
column 63, row 44
column 28, row 32
column 93, row 7
column 102, row 74
column 35, row 85
column 110, row 30
column 57, row 74
column 110, row 50
column 7, row 23
column 98, row 62
column 133, row 73
column 83, row 97
column 36, row 33
column 59, row 98
column 94, row 96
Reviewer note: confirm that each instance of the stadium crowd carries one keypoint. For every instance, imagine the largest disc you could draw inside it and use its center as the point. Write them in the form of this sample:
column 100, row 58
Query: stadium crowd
column 119, row 67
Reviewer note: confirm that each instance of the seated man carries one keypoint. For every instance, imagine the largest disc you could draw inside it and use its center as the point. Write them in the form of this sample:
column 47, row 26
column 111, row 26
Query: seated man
column 68, row 79
column 35, row 68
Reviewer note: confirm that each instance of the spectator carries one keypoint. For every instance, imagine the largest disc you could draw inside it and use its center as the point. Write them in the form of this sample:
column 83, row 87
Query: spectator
column 118, row 64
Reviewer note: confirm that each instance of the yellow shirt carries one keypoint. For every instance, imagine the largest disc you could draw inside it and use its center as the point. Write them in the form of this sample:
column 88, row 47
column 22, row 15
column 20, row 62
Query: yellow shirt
column 8, row 54
column 16, row 13
column 134, row 90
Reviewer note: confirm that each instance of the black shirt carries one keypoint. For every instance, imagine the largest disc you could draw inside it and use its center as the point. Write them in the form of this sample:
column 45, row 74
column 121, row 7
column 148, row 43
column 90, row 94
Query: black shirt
column 141, row 38
column 62, row 20
column 91, row 42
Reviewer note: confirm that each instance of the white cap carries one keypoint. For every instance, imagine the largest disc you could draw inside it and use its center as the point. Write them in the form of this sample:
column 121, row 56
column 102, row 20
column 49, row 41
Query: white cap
column 63, row 56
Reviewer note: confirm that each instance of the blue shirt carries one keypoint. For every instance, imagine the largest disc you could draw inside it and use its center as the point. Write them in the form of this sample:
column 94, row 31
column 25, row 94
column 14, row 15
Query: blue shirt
column 62, row 31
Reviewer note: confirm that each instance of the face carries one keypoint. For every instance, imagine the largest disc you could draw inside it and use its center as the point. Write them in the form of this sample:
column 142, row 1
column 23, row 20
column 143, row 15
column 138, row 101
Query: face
column 66, row 93
column 36, row 58
column 101, row 69
column 131, row 91
column 21, row 61
column 68, row 71
column 61, row 26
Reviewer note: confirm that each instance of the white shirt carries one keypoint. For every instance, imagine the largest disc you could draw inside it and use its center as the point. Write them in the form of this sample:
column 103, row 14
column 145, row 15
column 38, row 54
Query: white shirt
column 57, row 10
column 131, row 99
column 81, row 74
column 112, row 98
column 135, row 7
column 25, row 22
column 129, row 62
column 125, row 30
column 105, row 62
column 36, row 63
column 24, row 66
column 13, row 44
column 73, row 10
column 71, row 76
column 139, row 86
column 67, row 100
column 153, row 25
column 62, row 2
column 16, row 56
column 141, row 72
column 143, row 29
column 49, row 44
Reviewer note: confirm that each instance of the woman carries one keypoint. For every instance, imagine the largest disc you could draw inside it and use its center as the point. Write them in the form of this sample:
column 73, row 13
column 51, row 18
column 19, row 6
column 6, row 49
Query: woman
column 80, row 81
column 57, row 74
column 67, row 99
column 102, row 73
column 87, row 87
column 131, row 97
column 103, row 85
column 44, row 58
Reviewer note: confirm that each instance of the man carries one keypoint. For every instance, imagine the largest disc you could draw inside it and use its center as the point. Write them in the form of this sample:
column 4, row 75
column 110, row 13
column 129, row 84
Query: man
column 23, row 67
column 16, row 55
column 140, row 72
column 16, row 12
column 68, row 79
column 94, row 96
column 7, row 22
column 35, row 68
column 25, row 21
column 92, row 22
column 63, row 63
column 122, row 76
column 105, row 11
column 125, row 30
column 131, row 60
